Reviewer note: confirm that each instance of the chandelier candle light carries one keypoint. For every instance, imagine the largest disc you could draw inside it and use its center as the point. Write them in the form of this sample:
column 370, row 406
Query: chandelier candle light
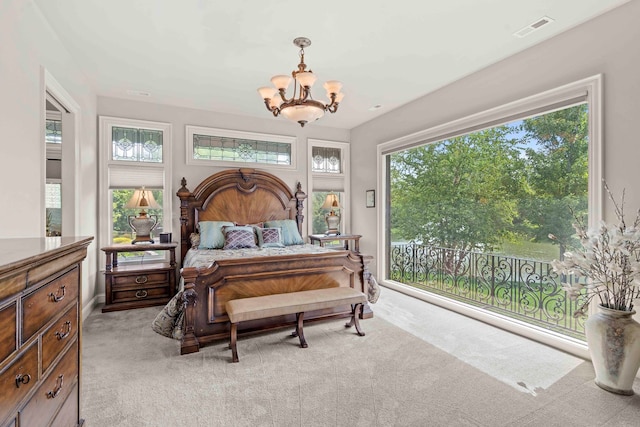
column 142, row 224
column 301, row 107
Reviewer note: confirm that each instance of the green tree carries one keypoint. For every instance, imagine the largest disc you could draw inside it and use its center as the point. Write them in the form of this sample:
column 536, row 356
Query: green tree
column 460, row 193
column 557, row 165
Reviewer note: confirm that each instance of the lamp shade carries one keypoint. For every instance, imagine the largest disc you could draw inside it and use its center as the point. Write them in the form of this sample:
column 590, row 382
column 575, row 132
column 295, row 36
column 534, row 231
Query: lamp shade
column 333, row 86
column 331, row 202
column 142, row 199
column 306, row 79
column 267, row 92
column 281, row 81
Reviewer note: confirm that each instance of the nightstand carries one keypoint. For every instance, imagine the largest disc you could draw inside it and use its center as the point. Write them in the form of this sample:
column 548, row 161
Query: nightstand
column 323, row 239
column 142, row 284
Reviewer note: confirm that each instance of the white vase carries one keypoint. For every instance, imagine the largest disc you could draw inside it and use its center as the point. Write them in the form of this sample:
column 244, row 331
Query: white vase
column 614, row 344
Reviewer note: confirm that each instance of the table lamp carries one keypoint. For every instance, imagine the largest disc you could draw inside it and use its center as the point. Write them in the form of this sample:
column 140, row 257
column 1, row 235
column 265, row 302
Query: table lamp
column 143, row 223
column 332, row 204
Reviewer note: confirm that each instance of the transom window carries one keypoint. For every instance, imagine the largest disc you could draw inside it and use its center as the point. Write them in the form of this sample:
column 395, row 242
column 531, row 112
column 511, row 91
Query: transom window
column 326, row 160
column 223, row 146
column 136, row 144
column 53, row 131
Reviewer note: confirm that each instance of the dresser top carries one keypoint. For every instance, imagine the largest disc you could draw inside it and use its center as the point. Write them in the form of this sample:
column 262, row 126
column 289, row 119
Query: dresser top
column 20, row 251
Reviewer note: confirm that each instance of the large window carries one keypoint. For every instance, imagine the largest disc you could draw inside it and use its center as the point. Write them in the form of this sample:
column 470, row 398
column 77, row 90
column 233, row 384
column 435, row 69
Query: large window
column 135, row 156
column 469, row 214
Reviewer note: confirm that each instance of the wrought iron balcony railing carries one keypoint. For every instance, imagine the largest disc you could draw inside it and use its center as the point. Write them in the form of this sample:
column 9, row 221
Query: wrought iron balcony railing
column 523, row 289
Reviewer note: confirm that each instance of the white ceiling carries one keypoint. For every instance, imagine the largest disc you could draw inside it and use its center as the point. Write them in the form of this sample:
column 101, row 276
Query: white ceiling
column 213, row 55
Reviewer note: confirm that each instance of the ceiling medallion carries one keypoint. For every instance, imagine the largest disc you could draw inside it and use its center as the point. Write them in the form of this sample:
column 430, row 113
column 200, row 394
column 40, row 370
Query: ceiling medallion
column 301, row 107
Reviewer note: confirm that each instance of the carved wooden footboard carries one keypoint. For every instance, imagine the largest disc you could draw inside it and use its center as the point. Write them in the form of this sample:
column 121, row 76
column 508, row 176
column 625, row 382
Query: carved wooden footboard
column 251, row 196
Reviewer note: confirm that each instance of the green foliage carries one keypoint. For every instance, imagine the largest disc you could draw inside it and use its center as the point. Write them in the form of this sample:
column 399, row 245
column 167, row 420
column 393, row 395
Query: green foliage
column 121, row 227
column 518, row 182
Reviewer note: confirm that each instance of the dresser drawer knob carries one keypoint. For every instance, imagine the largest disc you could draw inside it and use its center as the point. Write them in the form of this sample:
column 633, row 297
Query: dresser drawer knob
column 55, row 297
column 53, row 393
column 64, row 331
column 141, row 294
column 141, row 280
column 22, row 379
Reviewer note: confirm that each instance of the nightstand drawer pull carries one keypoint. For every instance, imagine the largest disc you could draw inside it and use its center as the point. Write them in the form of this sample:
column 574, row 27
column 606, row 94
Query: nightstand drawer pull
column 140, row 280
column 55, row 297
column 62, row 334
column 22, row 379
column 59, row 382
column 141, row 294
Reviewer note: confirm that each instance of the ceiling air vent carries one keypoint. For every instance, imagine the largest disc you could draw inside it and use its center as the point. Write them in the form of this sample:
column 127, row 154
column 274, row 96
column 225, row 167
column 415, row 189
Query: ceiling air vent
column 533, row 27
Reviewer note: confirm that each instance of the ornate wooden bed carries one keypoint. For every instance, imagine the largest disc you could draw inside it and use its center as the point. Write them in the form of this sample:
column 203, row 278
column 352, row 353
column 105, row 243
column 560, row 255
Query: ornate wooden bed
column 249, row 196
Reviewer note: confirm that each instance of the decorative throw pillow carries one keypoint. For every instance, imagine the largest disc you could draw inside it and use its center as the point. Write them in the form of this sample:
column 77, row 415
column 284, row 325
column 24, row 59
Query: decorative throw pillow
column 269, row 237
column 239, row 237
column 169, row 321
column 290, row 233
column 211, row 236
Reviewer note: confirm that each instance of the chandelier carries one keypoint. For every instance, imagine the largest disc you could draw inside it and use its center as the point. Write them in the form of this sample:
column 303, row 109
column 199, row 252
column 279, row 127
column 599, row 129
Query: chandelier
column 301, row 107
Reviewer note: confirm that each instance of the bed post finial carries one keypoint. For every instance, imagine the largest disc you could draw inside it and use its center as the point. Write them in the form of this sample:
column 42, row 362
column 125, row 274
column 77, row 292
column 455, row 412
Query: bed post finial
column 300, row 196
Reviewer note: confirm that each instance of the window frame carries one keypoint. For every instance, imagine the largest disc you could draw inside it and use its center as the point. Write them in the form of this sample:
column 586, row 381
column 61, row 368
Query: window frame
column 341, row 179
column 191, row 130
column 589, row 90
column 106, row 124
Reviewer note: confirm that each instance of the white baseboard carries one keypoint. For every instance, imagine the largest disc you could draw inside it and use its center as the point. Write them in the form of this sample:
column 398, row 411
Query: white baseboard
column 91, row 305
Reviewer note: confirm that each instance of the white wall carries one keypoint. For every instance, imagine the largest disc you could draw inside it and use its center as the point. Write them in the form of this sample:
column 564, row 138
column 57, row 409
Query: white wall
column 27, row 47
column 607, row 45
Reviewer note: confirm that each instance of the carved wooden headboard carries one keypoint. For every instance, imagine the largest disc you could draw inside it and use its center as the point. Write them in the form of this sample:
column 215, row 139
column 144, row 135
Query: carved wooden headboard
column 244, row 196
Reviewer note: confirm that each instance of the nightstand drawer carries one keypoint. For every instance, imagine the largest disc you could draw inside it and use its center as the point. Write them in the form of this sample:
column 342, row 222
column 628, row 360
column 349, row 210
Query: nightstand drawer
column 142, row 278
column 141, row 294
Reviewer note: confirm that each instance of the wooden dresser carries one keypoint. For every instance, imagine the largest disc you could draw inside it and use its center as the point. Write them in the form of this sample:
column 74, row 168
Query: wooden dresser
column 40, row 324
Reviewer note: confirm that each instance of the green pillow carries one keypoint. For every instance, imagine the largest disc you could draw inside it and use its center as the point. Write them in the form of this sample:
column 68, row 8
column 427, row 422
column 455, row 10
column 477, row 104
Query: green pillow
column 289, row 228
column 211, row 236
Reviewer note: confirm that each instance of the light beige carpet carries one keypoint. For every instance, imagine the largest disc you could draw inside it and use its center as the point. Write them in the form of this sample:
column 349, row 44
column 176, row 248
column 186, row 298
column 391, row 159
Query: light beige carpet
column 134, row 377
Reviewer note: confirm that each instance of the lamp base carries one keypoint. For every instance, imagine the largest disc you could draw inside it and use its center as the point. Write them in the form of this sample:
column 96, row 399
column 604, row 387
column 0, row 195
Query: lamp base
column 142, row 226
column 142, row 239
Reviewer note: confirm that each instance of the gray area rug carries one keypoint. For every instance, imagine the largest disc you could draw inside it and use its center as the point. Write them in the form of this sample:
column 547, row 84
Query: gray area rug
column 135, row 377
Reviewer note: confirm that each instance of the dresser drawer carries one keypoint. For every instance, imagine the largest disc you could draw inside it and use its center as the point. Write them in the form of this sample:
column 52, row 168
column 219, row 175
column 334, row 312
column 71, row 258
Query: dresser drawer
column 42, row 305
column 7, row 330
column 68, row 415
column 139, row 279
column 141, row 294
column 18, row 379
column 53, row 391
column 58, row 336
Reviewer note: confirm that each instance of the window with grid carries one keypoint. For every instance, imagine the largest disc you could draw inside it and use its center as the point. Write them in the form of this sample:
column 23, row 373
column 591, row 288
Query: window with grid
column 224, row 146
column 328, row 174
column 134, row 157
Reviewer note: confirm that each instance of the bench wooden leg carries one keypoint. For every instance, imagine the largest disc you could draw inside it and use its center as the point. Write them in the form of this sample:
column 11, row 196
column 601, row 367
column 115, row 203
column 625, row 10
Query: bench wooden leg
column 232, row 344
column 356, row 311
column 299, row 332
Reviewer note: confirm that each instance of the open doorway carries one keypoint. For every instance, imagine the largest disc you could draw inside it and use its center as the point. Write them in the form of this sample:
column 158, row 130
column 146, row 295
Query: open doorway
column 60, row 118
column 53, row 138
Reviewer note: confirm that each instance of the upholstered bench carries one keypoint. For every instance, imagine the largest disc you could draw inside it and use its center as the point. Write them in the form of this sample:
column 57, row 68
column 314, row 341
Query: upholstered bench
column 244, row 309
